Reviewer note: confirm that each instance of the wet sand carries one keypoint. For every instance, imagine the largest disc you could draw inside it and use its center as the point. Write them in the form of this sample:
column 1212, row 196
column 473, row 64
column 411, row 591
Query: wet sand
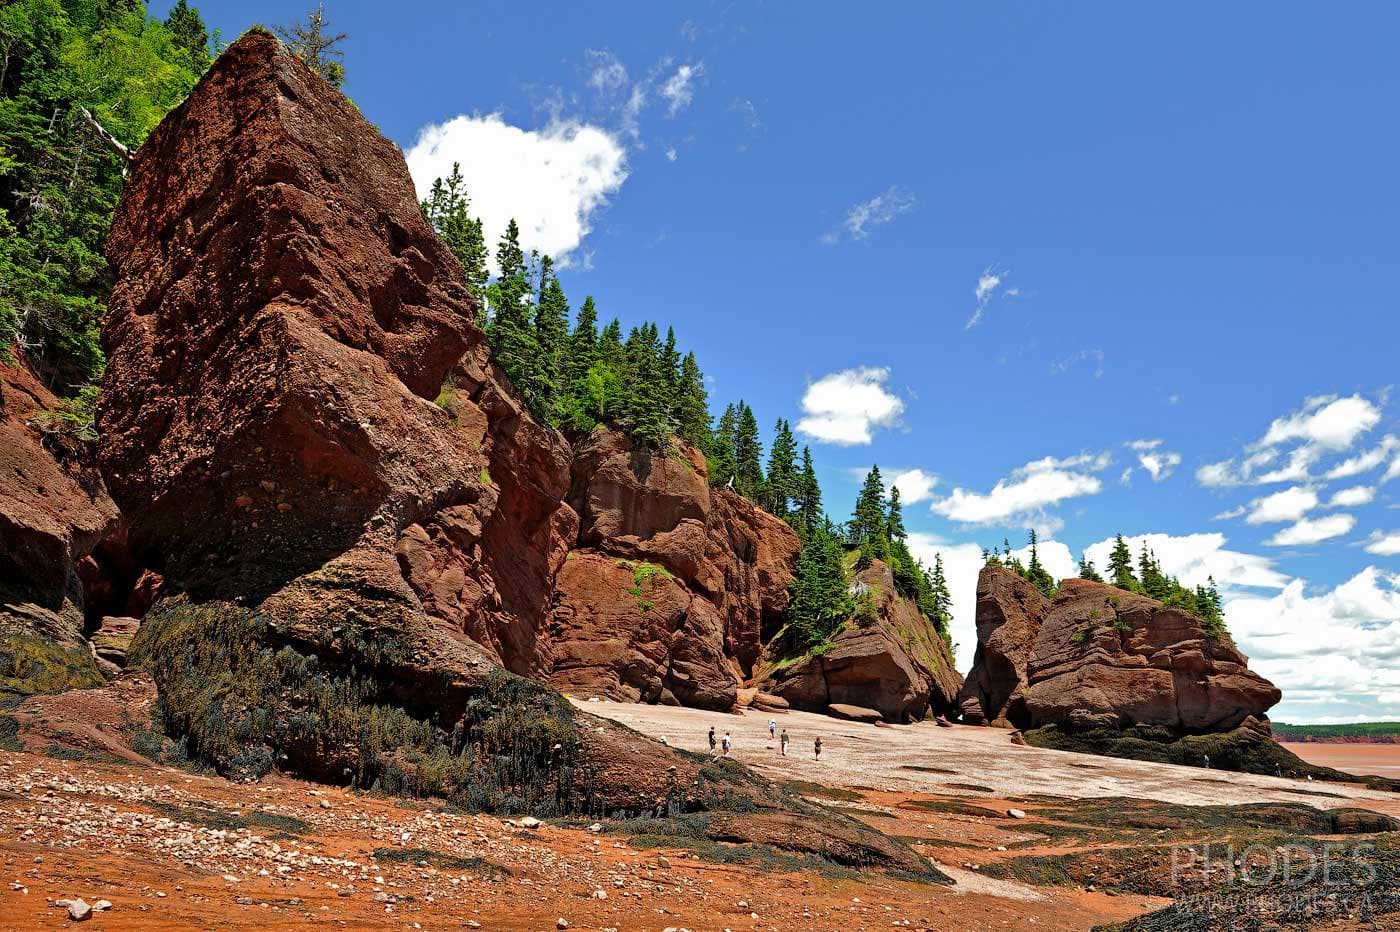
column 1382, row 760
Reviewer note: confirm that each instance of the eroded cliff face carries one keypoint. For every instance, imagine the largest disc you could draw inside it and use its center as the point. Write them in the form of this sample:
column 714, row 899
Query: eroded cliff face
column 54, row 512
column 1101, row 658
column 895, row 662
column 667, row 597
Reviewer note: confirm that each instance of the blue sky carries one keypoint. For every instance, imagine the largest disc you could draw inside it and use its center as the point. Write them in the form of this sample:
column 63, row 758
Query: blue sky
column 1178, row 225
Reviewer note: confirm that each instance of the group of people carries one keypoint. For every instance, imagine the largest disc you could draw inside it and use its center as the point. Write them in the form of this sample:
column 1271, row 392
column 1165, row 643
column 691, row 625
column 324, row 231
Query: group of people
column 726, row 744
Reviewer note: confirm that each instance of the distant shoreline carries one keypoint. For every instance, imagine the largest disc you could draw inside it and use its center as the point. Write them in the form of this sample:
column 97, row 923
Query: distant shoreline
column 1348, row 733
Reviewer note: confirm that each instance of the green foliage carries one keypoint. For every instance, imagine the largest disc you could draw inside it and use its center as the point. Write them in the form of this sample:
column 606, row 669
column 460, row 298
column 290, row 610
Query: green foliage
column 243, row 704
column 1120, row 566
column 484, row 477
column 820, row 600
column 1081, row 637
column 1286, row 732
column 809, row 497
column 1087, row 571
column 868, row 529
column 642, row 573
column 74, row 416
column 447, row 209
column 31, row 666
column 58, row 181
column 782, row 481
column 1036, row 572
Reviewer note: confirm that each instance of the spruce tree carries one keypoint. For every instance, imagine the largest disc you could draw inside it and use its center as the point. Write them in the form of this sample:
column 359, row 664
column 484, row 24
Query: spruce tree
column 820, row 598
column 1036, row 572
column 809, row 495
column 552, row 338
column 748, row 453
column 189, row 35
column 720, row 456
column 647, row 418
column 512, row 330
column 895, row 521
column 867, row 529
column 782, row 470
column 942, row 596
column 693, row 405
column 1120, row 566
column 1086, row 569
column 447, row 209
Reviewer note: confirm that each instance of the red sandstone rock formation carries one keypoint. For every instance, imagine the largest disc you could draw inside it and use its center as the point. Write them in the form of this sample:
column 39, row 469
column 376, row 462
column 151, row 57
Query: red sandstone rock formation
column 896, row 663
column 54, row 510
column 1101, row 657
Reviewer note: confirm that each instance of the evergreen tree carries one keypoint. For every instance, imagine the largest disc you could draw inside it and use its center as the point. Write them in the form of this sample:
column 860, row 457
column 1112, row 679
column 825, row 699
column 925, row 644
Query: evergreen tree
column 1086, row 569
column 610, row 352
column 511, row 329
column 748, row 453
column 942, row 596
column 720, row 457
column 647, row 416
column 1036, row 572
column 820, row 598
column 552, row 339
column 189, row 34
column 583, row 343
column 693, row 405
column 314, row 44
column 809, row 497
column 782, row 470
column 867, row 529
column 447, row 209
column 895, row 521
column 1120, row 565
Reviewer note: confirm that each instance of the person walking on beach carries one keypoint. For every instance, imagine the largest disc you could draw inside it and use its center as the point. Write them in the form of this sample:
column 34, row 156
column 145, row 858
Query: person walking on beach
column 724, row 744
column 817, row 747
column 772, row 729
column 712, row 739
column 1206, row 759
column 784, row 742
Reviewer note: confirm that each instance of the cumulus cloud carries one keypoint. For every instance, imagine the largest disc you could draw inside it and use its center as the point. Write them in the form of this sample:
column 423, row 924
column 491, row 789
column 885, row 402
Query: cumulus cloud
column 1326, row 425
column 961, row 564
column 1158, row 463
column 1353, row 497
column 1288, row 505
column 1335, row 649
column 1384, row 543
column 914, row 485
column 846, row 407
column 1023, row 497
column 987, row 284
column 1367, row 460
column 1313, row 531
column 1197, row 558
column 552, row 180
column 679, row 89
column 865, row 216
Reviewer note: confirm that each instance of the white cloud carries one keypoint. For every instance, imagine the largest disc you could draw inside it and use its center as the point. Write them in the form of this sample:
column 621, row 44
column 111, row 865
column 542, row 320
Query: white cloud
column 867, row 215
column 606, row 74
column 1023, row 496
column 1232, row 513
column 1334, row 649
column 1159, row 463
column 914, row 485
column 1353, row 497
column 961, row 564
column 551, row 180
column 1196, row 558
column 679, row 88
column 1288, row 505
column 671, row 154
column 1326, row 425
column 1313, row 531
column 987, row 284
column 845, row 407
column 1384, row 543
column 1365, row 461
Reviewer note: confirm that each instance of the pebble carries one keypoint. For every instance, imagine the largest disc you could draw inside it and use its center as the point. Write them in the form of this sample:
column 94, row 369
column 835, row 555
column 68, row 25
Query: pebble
column 79, row 910
column 561, row 923
column 530, row 822
column 1016, row 813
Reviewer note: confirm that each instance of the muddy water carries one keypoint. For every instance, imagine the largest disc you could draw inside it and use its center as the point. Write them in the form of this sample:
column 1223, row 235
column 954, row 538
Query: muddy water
column 1379, row 759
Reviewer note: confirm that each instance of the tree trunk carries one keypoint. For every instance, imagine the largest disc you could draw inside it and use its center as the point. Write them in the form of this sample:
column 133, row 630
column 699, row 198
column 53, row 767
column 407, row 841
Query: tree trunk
column 111, row 141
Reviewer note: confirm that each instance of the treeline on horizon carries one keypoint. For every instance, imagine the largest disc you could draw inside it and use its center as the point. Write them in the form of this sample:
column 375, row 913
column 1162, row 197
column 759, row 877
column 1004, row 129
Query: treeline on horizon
column 1284, row 731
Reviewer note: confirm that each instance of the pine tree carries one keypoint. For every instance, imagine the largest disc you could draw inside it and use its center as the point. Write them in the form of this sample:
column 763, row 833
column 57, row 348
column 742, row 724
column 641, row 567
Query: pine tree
column 448, row 210
column 867, row 528
column 782, row 470
column 809, row 496
column 693, row 405
column 610, row 351
column 1086, row 569
column 1036, row 572
column 312, row 42
column 1120, row 565
column 512, row 330
column 942, row 596
column 820, row 599
column 748, row 453
column 647, row 390
column 671, row 371
column 552, row 338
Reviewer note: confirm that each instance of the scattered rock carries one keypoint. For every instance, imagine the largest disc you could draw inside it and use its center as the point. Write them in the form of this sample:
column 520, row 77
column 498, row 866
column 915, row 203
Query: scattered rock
column 1015, row 813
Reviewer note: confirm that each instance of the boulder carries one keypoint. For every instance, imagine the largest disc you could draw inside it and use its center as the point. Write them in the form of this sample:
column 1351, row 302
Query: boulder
column 1108, row 658
column 111, row 641
column 54, row 510
column 854, row 713
column 893, row 661
column 1009, row 611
